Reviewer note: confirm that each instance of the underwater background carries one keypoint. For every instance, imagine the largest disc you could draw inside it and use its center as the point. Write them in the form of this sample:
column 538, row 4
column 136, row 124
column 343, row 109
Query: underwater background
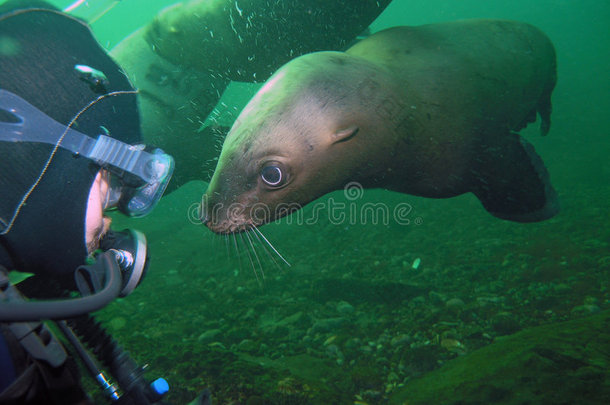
column 448, row 305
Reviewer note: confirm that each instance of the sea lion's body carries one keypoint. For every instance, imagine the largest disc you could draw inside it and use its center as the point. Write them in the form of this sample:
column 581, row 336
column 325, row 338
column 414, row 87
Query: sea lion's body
column 428, row 110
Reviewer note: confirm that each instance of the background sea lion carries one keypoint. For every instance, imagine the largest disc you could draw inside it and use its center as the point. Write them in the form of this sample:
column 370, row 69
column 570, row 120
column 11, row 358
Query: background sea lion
column 185, row 58
column 426, row 110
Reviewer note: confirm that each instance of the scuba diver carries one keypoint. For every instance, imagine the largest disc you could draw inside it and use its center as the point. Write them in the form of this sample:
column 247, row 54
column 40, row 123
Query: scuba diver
column 69, row 149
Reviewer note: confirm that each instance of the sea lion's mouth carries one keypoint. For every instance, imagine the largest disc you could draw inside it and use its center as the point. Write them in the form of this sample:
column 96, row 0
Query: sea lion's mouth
column 235, row 218
column 230, row 226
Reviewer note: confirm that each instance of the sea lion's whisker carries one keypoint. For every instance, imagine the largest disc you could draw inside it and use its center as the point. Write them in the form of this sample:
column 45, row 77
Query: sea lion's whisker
column 270, row 245
column 237, row 251
column 260, row 266
column 258, row 238
column 241, row 235
column 227, row 245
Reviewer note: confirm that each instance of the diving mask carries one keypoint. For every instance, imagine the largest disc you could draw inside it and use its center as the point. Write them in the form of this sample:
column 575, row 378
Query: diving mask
column 139, row 175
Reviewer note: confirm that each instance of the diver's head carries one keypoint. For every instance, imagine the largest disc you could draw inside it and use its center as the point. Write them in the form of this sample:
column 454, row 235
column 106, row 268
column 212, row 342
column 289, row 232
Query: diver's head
column 68, row 120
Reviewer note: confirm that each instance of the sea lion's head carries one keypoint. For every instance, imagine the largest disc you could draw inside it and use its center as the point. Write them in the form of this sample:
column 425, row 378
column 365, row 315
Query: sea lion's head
column 292, row 143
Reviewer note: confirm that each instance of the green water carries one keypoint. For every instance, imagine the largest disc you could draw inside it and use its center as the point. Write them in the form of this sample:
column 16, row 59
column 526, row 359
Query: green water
column 365, row 309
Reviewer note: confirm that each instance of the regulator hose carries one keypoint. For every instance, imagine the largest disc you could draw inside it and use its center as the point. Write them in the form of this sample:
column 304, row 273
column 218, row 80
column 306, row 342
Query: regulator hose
column 128, row 375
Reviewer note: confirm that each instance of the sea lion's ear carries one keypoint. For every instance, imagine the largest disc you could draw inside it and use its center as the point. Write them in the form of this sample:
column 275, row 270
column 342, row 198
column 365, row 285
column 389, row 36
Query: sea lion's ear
column 344, row 134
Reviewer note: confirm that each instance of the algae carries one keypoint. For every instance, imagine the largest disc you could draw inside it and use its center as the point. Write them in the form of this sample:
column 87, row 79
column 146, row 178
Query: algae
column 561, row 363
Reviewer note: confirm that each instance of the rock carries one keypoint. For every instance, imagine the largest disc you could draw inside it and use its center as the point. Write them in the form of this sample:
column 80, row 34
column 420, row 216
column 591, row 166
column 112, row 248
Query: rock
column 453, row 345
column 345, row 308
column 419, row 300
column 327, row 325
column 562, row 288
column 455, row 305
column 293, row 319
column 420, row 360
column 353, row 344
column 571, row 357
column 334, row 352
column 505, row 323
column 249, row 315
column 584, row 310
column 117, row 323
column 248, row 346
column 363, row 291
column 590, row 301
column 489, row 300
column 436, row 298
column 237, row 334
column 208, row 336
column 366, row 349
column 372, row 395
column 400, row 340
column 309, row 370
column 276, row 331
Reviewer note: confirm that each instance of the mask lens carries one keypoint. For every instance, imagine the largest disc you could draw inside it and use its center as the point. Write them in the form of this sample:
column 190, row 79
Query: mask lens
column 140, row 201
column 113, row 190
column 136, row 193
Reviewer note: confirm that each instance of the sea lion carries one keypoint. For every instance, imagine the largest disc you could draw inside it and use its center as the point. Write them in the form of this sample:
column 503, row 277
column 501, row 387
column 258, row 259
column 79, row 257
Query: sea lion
column 184, row 59
column 430, row 111
column 247, row 40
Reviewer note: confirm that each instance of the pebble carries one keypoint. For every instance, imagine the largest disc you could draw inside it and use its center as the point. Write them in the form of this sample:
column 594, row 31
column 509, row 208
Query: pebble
column 345, row 308
column 327, row 325
column 248, row 346
column 455, row 305
column 334, row 352
column 400, row 340
column 489, row 300
column 436, row 298
column 585, row 310
column 453, row 345
column 117, row 323
column 505, row 323
column 208, row 336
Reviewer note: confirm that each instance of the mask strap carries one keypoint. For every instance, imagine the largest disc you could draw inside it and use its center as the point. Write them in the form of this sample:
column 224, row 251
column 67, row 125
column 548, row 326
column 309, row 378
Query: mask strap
column 34, row 126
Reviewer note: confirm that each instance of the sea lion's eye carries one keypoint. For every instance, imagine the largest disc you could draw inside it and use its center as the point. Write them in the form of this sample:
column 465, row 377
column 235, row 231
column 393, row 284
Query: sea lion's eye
column 272, row 175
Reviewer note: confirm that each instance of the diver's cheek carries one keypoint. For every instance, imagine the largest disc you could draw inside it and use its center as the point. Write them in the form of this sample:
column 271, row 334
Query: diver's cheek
column 94, row 220
column 105, row 227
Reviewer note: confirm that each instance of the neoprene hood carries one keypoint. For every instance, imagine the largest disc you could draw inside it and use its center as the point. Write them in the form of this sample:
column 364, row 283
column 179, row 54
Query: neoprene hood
column 39, row 52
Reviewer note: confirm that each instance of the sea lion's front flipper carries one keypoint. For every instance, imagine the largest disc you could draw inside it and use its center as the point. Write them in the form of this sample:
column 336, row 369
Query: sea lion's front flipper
column 511, row 181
